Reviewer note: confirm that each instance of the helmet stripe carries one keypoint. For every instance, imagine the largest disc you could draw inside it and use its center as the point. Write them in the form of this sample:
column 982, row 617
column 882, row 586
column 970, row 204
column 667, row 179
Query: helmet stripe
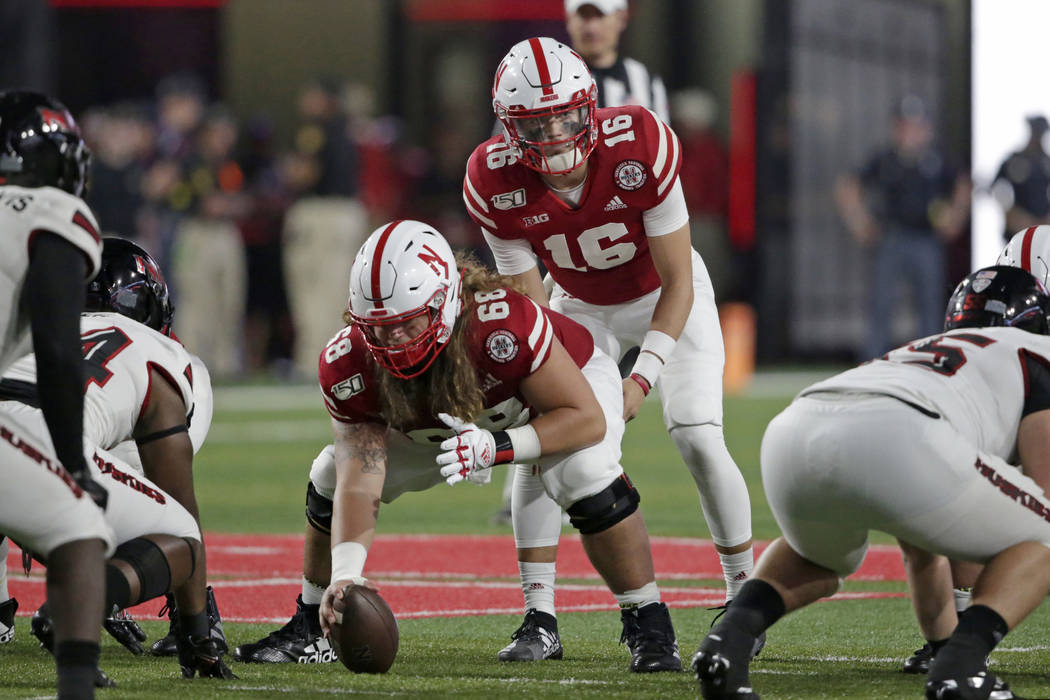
column 377, row 263
column 1026, row 248
column 541, row 66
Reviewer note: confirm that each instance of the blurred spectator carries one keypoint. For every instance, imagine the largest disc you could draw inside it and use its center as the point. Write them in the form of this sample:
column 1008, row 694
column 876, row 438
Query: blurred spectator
column 122, row 142
column 268, row 332
column 1022, row 185
column 705, row 180
column 906, row 202
column 326, row 226
column 208, row 263
column 595, row 27
column 438, row 196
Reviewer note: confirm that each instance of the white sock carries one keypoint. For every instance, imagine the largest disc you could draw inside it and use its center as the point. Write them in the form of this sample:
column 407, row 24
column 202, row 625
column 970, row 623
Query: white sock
column 736, row 568
column 537, row 583
column 962, row 598
column 639, row 597
column 312, row 594
column 4, row 546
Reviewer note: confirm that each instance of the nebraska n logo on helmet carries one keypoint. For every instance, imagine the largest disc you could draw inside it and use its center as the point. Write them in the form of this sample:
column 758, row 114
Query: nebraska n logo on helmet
column 405, row 270
column 545, row 97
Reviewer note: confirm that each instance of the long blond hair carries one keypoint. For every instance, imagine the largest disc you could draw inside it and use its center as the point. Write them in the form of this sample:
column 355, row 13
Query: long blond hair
column 452, row 384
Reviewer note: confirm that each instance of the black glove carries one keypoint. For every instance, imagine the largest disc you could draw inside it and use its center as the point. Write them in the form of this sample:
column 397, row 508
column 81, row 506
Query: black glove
column 201, row 655
column 91, row 487
column 125, row 630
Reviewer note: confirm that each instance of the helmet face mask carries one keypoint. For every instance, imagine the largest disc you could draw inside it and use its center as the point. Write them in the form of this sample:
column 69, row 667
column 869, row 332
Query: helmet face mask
column 131, row 284
column 546, row 100
column 1000, row 296
column 40, row 144
column 405, row 277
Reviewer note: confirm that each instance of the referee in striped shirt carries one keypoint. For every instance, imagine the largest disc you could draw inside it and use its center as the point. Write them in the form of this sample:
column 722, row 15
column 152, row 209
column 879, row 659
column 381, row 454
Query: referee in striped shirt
column 595, row 27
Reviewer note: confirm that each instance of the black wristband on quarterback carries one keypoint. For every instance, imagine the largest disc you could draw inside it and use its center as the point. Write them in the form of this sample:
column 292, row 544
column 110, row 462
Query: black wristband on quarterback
column 504, row 447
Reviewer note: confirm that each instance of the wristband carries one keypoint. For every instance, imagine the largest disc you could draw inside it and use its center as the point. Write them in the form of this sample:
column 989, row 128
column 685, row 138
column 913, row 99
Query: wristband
column 516, row 445
column 642, row 382
column 348, row 560
column 655, row 351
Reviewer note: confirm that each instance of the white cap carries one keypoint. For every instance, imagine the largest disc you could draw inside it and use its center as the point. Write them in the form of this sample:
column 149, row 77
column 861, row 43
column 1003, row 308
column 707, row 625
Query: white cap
column 606, row 7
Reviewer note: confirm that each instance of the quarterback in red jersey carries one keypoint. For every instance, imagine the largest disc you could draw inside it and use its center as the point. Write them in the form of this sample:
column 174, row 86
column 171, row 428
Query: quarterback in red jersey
column 595, row 195
column 443, row 362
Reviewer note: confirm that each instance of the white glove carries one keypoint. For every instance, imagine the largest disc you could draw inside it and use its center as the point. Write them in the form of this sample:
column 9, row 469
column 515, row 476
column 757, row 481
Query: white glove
column 470, row 451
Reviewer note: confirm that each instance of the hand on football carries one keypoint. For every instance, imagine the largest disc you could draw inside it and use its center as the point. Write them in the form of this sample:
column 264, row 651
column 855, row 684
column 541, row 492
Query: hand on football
column 327, row 612
column 470, row 451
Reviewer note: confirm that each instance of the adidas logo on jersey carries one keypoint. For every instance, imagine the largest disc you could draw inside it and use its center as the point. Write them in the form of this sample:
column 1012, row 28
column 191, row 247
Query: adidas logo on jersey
column 615, row 203
column 320, row 652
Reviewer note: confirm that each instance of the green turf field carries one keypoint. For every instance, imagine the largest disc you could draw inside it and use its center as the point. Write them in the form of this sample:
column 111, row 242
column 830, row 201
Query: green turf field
column 251, row 477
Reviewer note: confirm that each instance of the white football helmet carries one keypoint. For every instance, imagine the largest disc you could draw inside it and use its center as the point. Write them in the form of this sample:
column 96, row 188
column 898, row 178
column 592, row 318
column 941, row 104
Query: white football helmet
column 545, row 97
column 405, row 269
column 1029, row 249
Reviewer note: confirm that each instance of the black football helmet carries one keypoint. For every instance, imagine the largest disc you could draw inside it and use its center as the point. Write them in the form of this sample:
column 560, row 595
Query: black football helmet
column 999, row 296
column 40, row 144
column 131, row 284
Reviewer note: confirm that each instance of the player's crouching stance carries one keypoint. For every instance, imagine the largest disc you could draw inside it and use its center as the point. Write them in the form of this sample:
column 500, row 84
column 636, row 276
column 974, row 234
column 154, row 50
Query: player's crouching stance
column 138, row 386
column 431, row 346
column 914, row 444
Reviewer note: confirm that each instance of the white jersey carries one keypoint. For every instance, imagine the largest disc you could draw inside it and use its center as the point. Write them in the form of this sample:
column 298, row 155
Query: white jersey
column 25, row 211
column 118, row 356
column 981, row 380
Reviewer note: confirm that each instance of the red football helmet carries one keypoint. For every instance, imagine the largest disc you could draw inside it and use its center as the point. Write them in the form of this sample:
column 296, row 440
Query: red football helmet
column 545, row 97
column 405, row 270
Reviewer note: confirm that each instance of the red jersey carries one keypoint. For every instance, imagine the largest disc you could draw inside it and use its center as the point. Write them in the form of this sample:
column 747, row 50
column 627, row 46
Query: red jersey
column 597, row 252
column 509, row 338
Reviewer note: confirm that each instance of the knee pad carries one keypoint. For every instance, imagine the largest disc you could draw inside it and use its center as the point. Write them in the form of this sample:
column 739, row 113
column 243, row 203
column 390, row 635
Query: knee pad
column 318, row 510
column 322, row 472
column 606, row 508
column 150, row 565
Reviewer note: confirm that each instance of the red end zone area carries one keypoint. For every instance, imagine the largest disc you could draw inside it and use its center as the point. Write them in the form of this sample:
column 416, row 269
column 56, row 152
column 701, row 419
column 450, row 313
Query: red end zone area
column 257, row 577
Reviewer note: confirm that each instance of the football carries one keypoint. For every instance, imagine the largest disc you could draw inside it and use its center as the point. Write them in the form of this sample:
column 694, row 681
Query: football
column 366, row 636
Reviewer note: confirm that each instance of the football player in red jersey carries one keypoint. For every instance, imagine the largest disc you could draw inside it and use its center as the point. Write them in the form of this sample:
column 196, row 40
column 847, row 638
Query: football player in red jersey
column 443, row 360
column 594, row 194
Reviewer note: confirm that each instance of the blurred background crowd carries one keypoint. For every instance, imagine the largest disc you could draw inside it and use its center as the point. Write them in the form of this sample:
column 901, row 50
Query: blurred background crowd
column 252, row 144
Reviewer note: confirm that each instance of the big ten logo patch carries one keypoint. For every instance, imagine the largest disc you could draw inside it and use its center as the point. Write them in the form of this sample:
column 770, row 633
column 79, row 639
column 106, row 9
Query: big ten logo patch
column 502, row 346
column 348, row 387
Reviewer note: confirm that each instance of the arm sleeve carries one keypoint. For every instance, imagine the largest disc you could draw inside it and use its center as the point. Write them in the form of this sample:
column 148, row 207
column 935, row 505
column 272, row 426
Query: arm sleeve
column 54, row 292
column 669, row 215
column 512, row 257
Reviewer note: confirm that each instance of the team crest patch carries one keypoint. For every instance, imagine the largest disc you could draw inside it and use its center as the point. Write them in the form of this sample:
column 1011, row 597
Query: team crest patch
column 629, row 175
column 502, row 346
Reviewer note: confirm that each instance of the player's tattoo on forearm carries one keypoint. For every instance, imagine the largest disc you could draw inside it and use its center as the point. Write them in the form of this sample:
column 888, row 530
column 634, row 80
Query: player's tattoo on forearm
column 373, row 460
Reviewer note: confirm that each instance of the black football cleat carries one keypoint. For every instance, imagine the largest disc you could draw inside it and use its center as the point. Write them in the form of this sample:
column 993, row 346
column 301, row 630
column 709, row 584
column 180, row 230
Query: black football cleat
column 650, row 637
column 202, row 655
column 760, row 641
column 299, row 641
column 537, row 639
column 722, row 662
column 7, row 620
column 166, row 646
column 919, row 662
column 980, row 686
column 41, row 627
